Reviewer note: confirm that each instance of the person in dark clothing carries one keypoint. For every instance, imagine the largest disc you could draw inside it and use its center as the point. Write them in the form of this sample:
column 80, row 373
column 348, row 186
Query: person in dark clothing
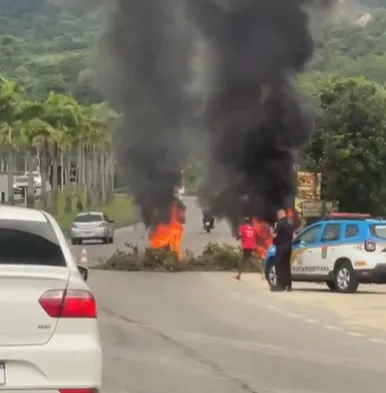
column 283, row 236
column 207, row 216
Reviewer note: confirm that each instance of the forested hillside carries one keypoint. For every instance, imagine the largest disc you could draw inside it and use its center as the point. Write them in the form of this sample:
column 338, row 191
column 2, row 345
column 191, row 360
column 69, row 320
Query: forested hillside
column 46, row 46
column 351, row 49
column 373, row 3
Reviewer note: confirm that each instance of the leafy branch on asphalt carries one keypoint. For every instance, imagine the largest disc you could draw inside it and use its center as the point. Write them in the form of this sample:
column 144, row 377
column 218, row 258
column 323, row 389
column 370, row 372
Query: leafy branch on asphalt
column 215, row 257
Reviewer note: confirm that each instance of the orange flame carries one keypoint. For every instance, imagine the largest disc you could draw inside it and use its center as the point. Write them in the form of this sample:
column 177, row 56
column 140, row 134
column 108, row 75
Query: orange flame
column 169, row 235
column 264, row 238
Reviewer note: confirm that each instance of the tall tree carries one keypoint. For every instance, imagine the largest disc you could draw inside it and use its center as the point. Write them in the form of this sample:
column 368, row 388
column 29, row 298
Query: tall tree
column 349, row 144
column 10, row 98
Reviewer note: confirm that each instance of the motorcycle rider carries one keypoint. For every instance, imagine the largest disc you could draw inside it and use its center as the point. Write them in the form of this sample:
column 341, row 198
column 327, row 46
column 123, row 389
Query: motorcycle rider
column 207, row 216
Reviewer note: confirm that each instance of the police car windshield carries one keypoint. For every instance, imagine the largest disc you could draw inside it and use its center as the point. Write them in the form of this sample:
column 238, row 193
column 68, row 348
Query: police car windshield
column 378, row 230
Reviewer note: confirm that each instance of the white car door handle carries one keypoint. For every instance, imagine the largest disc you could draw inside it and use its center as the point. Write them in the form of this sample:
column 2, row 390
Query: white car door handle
column 309, row 251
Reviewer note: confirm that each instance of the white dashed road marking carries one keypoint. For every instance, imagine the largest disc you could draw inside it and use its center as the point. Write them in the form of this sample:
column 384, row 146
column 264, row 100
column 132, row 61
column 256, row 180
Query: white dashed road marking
column 355, row 334
column 331, row 327
column 377, row 341
column 273, row 308
column 311, row 320
column 294, row 316
column 328, row 327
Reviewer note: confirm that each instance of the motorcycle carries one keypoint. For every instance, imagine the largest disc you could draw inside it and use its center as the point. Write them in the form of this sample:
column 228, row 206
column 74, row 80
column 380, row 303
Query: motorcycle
column 208, row 225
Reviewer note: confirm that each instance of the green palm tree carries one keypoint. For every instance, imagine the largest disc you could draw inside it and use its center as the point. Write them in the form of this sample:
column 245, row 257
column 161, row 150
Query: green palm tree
column 10, row 99
column 36, row 133
column 104, row 121
column 63, row 114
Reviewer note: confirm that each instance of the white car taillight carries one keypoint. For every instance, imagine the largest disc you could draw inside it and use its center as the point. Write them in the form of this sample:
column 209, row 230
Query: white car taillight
column 69, row 303
column 81, row 390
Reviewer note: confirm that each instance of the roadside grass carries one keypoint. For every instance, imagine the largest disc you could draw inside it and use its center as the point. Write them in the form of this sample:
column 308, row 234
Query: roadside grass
column 121, row 209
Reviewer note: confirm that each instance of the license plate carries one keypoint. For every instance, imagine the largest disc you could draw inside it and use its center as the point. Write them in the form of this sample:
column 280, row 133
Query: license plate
column 207, row 223
column 2, row 374
column 87, row 234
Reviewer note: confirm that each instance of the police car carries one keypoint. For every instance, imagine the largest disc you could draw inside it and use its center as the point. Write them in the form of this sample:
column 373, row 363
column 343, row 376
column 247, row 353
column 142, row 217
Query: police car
column 343, row 251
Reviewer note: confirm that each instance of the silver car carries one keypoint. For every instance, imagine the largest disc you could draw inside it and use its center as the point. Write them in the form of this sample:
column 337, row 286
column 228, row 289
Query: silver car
column 92, row 226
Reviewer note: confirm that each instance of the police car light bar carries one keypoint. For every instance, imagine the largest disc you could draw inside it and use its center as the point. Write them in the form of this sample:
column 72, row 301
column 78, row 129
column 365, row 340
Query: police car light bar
column 349, row 215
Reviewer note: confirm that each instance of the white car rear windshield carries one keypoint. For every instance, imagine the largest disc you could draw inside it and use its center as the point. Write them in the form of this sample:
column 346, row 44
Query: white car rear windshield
column 378, row 230
column 29, row 243
column 88, row 218
column 21, row 179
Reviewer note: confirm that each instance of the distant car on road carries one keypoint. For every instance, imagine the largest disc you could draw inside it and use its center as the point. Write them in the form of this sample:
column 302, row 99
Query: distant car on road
column 92, row 226
column 49, row 338
column 18, row 193
column 343, row 251
column 20, row 181
column 37, row 178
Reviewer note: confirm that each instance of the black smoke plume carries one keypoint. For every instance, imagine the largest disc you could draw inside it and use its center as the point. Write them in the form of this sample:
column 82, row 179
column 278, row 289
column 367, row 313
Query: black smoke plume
column 254, row 117
column 147, row 48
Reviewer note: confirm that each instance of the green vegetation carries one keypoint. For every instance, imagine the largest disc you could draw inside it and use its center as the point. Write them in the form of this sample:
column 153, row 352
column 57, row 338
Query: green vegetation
column 45, row 46
column 58, row 130
column 348, row 146
column 352, row 48
column 215, row 257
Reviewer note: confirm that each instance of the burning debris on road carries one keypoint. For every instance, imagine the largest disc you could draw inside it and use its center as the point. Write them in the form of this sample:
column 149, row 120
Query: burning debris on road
column 169, row 235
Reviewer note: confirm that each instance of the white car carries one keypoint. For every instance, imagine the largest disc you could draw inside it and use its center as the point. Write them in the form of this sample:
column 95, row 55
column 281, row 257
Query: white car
column 181, row 192
column 92, row 226
column 49, row 338
column 37, row 178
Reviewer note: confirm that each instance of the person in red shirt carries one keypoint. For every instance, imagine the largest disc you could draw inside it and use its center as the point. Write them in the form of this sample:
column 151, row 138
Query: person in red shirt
column 247, row 235
column 264, row 241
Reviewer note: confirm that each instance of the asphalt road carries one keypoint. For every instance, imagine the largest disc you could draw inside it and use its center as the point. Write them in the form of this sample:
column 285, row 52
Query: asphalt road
column 207, row 333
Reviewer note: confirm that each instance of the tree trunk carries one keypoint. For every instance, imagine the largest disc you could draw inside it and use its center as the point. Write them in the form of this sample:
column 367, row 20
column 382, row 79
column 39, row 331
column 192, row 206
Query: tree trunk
column 103, row 176
column 2, row 169
column 83, row 167
column 112, row 173
column 109, row 178
column 31, row 185
column 89, row 178
column 54, row 193
column 11, row 194
column 79, row 178
column 61, row 160
column 44, row 174
column 95, row 175
column 66, row 185
column 25, row 161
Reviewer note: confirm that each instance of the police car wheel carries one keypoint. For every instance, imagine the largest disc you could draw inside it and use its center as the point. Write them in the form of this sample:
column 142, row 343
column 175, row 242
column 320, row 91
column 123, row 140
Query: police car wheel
column 345, row 278
column 270, row 274
column 331, row 285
